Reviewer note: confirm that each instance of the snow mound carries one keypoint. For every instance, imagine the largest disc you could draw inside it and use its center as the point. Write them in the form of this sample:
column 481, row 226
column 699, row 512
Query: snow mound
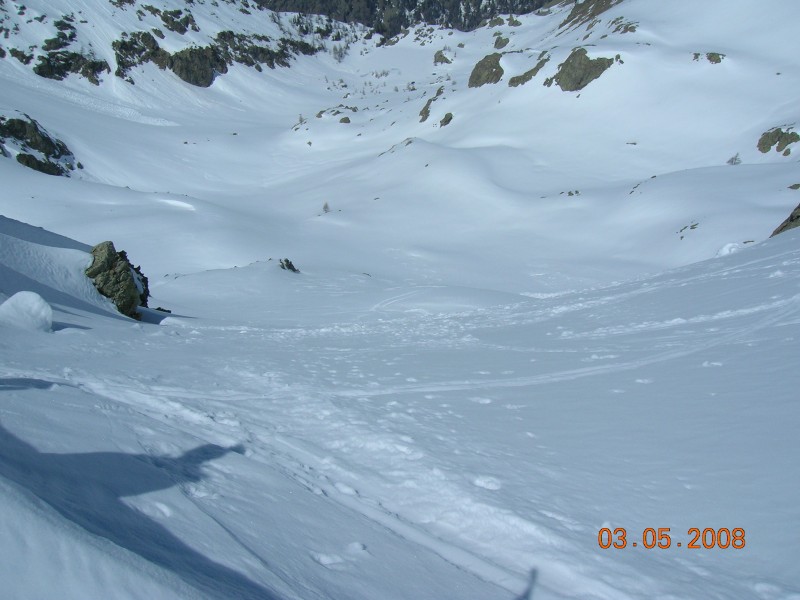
column 27, row 310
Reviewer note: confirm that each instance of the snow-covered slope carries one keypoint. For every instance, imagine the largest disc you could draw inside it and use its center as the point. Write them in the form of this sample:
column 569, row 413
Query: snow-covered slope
column 240, row 171
column 500, row 340
column 373, row 439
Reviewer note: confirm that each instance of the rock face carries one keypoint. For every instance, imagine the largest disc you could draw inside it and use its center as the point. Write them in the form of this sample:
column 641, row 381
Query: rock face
column 116, row 279
column 287, row 265
column 578, row 71
column 778, row 138
column 488, row 70
column 792, row 221
column 34, row 147
column 200, row 65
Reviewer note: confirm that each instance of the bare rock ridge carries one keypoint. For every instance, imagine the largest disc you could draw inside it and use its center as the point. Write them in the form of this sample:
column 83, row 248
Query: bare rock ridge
column 792, row 221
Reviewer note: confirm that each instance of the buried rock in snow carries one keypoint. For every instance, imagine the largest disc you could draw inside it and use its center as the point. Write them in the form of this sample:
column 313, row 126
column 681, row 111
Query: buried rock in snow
column 27, row 310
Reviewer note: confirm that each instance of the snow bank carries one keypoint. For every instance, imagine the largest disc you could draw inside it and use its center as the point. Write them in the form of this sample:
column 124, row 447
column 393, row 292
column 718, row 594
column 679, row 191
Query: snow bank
column 27, row 310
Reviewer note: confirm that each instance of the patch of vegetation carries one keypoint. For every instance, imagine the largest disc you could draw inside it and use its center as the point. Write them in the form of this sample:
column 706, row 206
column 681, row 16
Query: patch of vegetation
column 778, row 138
column 500, row 42
column 122, row 3
column 496, row 22
column 2, row 52
column 586, row 12
column 446, row 120
column 440, row 59
column 426, row 110
column 578, row 71
column 487, row 70
column 512, row 22
column 795, row 186
column 518, row 80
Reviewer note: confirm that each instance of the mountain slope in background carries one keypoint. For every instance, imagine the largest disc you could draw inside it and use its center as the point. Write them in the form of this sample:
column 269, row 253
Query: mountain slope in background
column 535, row 300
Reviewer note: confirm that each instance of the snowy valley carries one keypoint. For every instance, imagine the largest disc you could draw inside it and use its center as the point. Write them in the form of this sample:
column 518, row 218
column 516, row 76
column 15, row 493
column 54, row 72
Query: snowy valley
column 537, row 300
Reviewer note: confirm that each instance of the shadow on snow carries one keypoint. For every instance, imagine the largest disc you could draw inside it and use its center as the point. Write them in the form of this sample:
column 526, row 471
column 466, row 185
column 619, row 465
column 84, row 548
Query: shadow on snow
column 88, row 489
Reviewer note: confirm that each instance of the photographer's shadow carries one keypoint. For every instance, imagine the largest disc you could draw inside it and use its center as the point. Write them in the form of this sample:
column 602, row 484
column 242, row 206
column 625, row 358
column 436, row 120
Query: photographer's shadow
column 88, row 489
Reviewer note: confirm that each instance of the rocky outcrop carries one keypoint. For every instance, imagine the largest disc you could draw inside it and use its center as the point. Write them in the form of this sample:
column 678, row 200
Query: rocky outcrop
column 199, row 65
column 488, row 70
column 587, row 12
column 117, row 279
column 426, row 110
column 518, row 80
column 578, row 71
column 778, row 138
column 792, row 221
column 287, row 265
column 34, row 147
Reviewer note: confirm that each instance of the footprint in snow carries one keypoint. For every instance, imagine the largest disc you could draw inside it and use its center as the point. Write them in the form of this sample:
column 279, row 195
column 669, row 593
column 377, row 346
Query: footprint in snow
column 357, row 549
column 329, row 561
column 487, row 483
column 345, row 489
column 481, row 400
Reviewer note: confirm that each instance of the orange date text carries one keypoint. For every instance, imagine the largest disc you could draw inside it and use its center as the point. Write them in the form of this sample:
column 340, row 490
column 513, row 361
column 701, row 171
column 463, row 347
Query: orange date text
column 707, row 538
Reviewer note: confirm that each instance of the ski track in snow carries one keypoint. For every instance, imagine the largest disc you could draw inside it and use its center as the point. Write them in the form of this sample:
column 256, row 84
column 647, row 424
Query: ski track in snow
column 359, row 464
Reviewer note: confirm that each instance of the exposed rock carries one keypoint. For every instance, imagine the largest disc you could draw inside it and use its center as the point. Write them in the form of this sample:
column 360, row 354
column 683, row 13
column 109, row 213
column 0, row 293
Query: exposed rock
column 426, row 110
column 488, row 70
column 792, row 221
column 578, row 71
column 587, row 12
column 34, row 147
column 344, row 120
column 778, row 138
column 176, row 21
column 57, row 65
column 446, row 120
column 287, row 265
column 139, row 48
column 500, row 42
column 200, row 65
column 37, row 164
column 116, row 279
column 440, row 59
column 21, row 56
column 544, row 58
